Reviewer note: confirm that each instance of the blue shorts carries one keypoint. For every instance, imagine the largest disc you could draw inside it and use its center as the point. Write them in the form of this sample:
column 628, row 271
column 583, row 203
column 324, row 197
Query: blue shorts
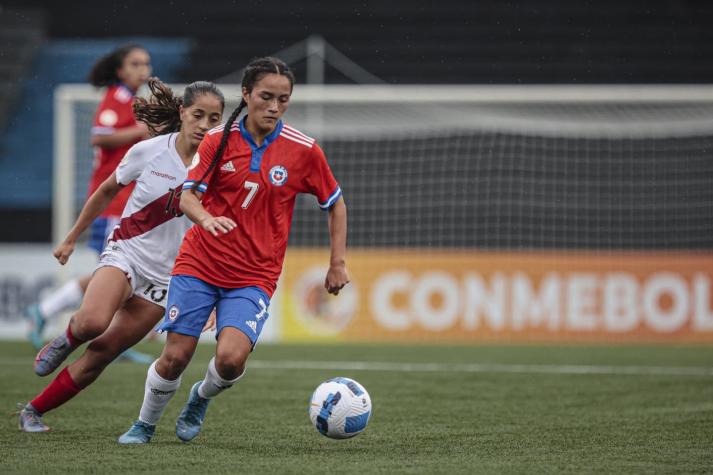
column 190, row 301
column 100, row 230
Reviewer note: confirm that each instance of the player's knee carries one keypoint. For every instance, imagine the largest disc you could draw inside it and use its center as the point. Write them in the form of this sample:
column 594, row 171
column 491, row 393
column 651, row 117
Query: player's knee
column 231, row 364
column 172, row 362
column 84, row 327
column 101, row 352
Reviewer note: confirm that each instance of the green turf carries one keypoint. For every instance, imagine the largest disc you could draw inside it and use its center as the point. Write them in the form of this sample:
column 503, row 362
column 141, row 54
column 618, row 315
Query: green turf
column 423, row 422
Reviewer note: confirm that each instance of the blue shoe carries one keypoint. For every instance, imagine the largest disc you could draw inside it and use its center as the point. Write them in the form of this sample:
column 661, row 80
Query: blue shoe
column 52, row 355
column 139, row 433
column 37, row 325
column 189, row 422
column 134, row 356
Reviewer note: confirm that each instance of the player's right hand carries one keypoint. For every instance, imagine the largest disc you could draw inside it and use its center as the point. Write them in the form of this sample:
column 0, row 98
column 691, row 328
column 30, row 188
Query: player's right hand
column 218, row 225
column 63, row 251
column 210, row 324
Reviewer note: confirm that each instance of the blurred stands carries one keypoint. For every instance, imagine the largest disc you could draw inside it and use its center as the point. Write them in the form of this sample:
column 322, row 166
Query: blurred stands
column 401, row 41
column 21, row 34
column 422, row 41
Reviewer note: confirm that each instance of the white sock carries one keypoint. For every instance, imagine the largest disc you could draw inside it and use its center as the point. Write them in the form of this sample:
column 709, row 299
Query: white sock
column 213, row 384
column 67, row 297
column 157, row 393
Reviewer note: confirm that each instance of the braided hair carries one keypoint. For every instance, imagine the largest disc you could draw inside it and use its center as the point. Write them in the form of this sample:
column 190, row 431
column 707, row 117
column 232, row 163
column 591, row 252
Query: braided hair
column 254, row 71
column 103, row 72
column 162, row 111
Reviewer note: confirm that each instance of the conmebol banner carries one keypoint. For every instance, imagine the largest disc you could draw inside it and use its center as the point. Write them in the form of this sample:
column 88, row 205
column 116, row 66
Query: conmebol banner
column 414, row 295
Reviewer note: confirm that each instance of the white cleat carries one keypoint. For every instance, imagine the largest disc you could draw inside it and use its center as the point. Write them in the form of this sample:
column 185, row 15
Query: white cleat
column 30, row 420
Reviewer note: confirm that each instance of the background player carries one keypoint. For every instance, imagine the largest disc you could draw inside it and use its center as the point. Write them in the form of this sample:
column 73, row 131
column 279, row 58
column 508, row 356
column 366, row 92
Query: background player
column 115, row 130
column 248, row 176
column 128, row 290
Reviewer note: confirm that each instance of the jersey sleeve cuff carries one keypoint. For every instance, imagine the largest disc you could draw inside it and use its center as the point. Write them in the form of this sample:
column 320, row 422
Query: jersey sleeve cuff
column 99, row 130
column 119, row 179
column 188, row 184
column 332, row 199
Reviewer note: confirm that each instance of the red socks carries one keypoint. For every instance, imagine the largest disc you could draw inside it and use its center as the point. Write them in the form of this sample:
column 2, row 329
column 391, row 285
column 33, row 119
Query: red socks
column 73, row 340
column 60, row 390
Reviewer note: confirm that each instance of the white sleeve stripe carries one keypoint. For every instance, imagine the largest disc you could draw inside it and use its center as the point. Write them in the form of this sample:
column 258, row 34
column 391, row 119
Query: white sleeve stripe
column 216, row 130
column 306, row 144
column 219, row 128
column 297, row 137
column 99, row 130
column 332, row 199
column 297, row 132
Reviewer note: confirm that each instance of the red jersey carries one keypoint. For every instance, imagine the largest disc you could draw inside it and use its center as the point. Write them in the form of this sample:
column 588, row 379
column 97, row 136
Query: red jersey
column 114, row 112
column 256, row 187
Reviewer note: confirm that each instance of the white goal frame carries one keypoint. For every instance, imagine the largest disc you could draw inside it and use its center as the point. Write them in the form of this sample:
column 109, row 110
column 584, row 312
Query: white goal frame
column 66, row 94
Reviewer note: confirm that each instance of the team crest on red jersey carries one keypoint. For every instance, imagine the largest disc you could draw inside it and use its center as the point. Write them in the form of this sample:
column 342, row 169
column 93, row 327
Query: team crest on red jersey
column 278, row 175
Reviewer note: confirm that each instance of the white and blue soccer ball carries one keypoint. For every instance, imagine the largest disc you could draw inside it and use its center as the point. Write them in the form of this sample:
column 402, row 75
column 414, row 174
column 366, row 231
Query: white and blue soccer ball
column 340, row 408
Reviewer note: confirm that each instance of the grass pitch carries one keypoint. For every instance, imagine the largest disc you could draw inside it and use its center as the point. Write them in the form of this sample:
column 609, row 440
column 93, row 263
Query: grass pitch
column 437, row 409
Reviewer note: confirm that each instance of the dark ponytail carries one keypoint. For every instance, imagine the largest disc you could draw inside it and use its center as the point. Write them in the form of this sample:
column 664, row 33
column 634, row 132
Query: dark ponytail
column 103, row 72
column 162, row 111
column 254, row 71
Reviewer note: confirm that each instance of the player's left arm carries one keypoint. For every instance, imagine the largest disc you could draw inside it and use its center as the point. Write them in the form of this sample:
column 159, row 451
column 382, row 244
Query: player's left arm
column 337, row 276
column 96, row 203
column 320, row 182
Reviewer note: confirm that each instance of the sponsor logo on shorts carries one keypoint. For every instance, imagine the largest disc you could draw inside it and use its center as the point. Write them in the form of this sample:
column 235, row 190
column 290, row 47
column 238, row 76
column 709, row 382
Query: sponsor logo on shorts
column 173, row 313
column 252, row 324
column 263, row 310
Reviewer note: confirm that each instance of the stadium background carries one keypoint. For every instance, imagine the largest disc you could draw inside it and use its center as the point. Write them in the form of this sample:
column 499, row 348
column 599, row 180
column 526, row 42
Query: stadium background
column 476, row 231
column 531, row 222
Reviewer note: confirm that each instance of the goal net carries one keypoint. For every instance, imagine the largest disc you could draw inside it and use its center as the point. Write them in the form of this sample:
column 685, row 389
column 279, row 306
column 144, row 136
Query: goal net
column 488, row 213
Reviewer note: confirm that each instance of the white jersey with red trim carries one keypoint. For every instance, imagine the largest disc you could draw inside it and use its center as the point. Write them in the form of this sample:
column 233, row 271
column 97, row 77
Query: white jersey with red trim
column 152, row 226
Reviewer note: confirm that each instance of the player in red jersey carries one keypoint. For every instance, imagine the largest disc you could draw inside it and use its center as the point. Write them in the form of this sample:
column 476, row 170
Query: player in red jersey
column 126, row 296
column 247, row 174
column 114, row 131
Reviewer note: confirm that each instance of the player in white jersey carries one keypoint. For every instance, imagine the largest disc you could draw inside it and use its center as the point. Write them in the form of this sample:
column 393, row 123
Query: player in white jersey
column 126, row 295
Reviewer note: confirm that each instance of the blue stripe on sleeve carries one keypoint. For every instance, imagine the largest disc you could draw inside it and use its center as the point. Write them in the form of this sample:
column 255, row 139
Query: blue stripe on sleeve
column 189, row 184
column 332, row 199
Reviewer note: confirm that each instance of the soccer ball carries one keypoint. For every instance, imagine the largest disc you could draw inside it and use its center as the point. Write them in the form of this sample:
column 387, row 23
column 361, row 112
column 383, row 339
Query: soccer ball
column 340, row 408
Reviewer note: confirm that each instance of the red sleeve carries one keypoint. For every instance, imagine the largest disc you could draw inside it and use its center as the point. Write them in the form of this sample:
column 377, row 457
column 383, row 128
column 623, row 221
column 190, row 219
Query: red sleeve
column 320, row 181
column 201, row 162
column 114, row 112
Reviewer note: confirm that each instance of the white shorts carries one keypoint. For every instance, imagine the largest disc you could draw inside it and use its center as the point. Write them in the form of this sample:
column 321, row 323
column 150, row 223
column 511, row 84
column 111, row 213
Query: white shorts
column 146, row 289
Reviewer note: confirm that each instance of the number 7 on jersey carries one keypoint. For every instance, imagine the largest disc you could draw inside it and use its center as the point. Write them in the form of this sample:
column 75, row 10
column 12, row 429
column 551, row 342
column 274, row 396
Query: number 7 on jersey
column 252, row 187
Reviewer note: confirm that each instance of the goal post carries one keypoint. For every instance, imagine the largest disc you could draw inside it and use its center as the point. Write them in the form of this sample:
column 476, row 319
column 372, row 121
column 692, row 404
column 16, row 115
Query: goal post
column 74, row 104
